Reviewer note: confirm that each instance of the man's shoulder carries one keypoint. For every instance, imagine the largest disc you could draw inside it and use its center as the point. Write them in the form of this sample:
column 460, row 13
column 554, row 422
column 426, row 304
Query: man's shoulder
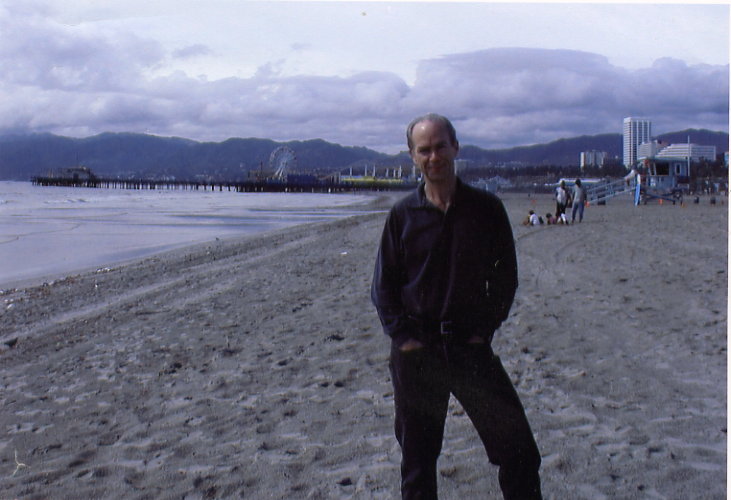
column 482, row 196
column 409, row 201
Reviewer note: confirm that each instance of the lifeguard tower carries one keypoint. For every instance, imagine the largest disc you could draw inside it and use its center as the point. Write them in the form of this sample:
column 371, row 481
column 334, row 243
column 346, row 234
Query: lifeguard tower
column 663, row 179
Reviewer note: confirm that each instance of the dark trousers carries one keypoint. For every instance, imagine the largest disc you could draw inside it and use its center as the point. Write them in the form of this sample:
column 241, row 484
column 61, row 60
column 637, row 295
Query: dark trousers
column 423, row 380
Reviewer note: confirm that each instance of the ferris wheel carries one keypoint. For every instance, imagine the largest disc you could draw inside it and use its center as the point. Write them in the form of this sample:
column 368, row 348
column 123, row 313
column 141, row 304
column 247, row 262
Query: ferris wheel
column 281, row 161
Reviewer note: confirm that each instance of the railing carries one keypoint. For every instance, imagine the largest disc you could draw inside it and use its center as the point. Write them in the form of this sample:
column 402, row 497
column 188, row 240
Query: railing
column 606, row 190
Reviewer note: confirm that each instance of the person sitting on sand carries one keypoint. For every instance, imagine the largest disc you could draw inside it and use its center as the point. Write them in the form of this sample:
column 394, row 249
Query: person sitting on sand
column 532, row 219
column 550, row 219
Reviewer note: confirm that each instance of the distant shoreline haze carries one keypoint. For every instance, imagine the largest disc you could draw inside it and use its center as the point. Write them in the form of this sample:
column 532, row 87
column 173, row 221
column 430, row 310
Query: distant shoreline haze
column 23, row 156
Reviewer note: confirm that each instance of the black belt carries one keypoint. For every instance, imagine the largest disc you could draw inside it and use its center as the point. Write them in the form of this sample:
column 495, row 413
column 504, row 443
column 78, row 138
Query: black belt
column 447, row 329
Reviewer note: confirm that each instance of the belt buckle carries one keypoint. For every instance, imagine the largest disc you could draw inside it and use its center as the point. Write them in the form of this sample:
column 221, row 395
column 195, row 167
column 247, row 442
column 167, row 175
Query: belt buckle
column 445, row 328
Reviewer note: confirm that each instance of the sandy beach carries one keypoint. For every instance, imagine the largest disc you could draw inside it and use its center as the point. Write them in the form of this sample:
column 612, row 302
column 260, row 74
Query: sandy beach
column 257, row 368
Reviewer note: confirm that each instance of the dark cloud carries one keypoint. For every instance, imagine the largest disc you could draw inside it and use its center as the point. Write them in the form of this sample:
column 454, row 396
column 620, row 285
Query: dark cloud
column 77, row 81
column 504, row 97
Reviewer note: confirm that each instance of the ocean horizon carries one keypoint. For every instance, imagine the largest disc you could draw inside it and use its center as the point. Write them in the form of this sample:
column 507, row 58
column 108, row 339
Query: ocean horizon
column 48, row 232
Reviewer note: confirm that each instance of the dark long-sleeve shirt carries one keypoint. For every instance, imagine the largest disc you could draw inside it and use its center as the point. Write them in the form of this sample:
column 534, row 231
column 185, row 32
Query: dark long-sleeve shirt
column 454, row 266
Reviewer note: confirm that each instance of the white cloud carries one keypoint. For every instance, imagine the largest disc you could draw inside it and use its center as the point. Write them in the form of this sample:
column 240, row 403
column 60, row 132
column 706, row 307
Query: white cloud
column 48, row 55
column 195, row 50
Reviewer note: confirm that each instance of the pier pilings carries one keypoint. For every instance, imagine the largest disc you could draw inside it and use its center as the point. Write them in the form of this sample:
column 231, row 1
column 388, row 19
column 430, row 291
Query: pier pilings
column 259, row 186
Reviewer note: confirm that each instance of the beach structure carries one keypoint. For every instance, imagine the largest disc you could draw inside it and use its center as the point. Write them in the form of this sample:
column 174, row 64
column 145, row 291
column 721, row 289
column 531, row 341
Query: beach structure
column 606, row 189
column 667, row 173
column 284, row 181
column 665, row 170
column 663, row 179
column 293, row 184
column 666, row 179
column 599, row 190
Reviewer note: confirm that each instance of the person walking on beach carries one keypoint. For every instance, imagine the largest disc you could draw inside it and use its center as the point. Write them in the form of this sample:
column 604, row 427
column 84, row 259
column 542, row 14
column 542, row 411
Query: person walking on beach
column 579, row 200
column 445, row 278
column 562, row 201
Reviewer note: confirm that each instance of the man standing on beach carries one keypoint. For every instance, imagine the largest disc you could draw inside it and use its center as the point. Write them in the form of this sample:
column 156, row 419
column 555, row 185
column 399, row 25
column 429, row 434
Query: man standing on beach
column 579, row 200
column 444, row 281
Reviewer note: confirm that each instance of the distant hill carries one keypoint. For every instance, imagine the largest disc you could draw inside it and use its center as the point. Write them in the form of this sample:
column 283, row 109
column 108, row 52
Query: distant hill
column 127, row 155
column 130, row 155
column 565, row 152
column 561, row 152
column 702, row 136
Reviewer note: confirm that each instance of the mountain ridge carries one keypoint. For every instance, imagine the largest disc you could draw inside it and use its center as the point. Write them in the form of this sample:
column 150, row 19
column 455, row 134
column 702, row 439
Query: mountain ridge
column 129, row 154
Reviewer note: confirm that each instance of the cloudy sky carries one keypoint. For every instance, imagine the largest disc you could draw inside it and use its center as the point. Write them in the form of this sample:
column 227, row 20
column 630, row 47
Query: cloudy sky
column 355, row 73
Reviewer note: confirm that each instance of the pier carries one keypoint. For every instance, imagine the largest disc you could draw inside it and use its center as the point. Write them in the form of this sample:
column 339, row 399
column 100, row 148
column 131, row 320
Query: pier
column 255, row 186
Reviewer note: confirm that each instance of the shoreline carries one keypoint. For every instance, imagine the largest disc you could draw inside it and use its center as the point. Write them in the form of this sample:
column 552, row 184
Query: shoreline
column 95, row 261
column 258, row 367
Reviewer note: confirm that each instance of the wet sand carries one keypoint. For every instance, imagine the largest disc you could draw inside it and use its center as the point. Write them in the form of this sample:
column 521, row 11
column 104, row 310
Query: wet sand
column 256, row 368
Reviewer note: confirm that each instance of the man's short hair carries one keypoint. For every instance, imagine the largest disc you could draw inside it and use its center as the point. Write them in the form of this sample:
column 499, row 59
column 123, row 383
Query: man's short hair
column 434, row 118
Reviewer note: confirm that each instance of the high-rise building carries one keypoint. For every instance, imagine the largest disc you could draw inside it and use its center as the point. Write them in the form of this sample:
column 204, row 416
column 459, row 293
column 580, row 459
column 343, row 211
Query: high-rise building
column 636, row 131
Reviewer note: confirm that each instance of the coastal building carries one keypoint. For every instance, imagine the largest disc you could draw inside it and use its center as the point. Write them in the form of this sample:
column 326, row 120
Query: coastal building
column 635, row 132
column 660, row 149
column 695, row 152
column 592, row 158
column 650, row 149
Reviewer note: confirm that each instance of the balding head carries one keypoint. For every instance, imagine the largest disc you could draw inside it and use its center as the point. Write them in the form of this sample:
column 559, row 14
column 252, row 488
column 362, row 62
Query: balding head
column 434, row 118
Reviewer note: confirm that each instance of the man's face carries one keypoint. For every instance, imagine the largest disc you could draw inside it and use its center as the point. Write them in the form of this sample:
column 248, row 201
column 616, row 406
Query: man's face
column 433, row 152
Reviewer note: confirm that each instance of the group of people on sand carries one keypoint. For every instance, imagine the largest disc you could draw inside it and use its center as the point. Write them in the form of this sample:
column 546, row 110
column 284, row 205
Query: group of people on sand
column 576, row 199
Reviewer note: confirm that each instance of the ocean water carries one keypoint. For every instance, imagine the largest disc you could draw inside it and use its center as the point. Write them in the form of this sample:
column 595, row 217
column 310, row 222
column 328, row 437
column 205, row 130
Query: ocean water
column 52, row 231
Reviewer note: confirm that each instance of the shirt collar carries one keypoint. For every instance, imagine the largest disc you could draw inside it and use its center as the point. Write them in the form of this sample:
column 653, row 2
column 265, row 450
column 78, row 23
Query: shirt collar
column 422, row 201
